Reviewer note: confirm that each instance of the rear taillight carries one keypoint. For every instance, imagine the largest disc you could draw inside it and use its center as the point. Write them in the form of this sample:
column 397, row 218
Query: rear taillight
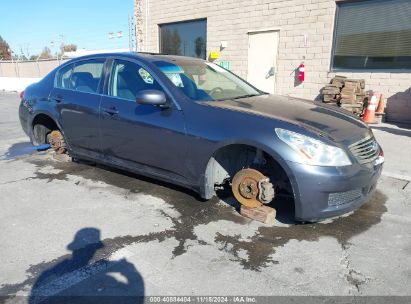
column 21, row 95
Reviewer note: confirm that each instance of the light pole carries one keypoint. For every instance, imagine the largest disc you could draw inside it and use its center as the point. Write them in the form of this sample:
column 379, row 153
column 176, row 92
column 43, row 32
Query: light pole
column 16, row 68
column 53, row 43
column 118, row 34
column 115, row 35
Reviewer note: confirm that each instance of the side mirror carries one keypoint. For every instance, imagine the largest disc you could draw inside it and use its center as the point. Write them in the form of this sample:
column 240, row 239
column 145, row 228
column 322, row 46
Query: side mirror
column 152, row 97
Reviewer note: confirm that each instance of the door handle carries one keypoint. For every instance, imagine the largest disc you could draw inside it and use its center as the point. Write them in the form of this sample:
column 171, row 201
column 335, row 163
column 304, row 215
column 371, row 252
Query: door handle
column 57, row 98
column 110, row 111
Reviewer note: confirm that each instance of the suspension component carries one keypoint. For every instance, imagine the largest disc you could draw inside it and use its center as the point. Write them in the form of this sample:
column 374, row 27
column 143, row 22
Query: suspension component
column 251, row 188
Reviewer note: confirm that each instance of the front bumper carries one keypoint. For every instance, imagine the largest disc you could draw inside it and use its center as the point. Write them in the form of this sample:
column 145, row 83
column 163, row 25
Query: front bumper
column 322, row 192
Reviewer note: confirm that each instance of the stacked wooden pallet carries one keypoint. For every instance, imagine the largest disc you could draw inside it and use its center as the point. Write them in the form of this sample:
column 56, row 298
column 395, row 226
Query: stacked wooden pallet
column 331, row 93
column 346, row 93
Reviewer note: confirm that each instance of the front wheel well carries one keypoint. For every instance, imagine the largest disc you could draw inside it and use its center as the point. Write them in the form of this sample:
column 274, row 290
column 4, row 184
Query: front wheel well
column 42, row 125
column 228, row 160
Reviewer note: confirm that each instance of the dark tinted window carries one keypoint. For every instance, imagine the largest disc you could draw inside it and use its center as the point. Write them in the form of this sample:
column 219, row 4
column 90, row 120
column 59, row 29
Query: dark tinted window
column 63, row 77
column 83, row 76
column 184, row 38
column 373, row 35
column 86, row 75
column 128, row 78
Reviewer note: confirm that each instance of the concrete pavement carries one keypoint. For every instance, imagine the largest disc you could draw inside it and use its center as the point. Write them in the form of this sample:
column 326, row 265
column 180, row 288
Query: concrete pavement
column 396, row 144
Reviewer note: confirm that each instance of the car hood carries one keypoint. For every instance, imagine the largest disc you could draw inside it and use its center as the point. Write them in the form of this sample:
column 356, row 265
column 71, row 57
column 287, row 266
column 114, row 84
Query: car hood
column 327, row 121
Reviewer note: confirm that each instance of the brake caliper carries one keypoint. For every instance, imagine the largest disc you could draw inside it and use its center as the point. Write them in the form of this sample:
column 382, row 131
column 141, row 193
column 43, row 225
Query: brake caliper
column 266, row 191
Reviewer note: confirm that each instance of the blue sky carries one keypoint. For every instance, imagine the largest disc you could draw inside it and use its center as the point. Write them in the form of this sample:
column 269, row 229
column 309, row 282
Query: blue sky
column 32, row 25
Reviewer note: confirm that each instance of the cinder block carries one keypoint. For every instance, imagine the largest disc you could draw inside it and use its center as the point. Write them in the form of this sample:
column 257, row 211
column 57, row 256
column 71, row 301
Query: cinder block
column 262, row 214
column 64, row 158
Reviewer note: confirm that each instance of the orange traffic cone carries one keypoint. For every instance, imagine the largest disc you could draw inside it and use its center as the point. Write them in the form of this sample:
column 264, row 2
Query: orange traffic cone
column 381, row 104
column 369, row 115
column 379, row 114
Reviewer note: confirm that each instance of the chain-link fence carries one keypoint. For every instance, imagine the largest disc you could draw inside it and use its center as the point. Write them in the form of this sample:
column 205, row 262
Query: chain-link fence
column 29, row 68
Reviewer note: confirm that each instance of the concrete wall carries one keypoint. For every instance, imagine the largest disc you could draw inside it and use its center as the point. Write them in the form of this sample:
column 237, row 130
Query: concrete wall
column 17, row 75
column 28, row 69
column 230, row 20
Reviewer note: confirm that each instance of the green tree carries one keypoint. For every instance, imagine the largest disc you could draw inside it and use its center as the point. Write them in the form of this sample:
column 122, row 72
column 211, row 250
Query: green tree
column 5, row 53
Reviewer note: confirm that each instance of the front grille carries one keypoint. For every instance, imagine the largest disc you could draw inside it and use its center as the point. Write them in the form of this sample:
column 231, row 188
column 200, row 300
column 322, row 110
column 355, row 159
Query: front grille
column 366, row 150
column 342, row 198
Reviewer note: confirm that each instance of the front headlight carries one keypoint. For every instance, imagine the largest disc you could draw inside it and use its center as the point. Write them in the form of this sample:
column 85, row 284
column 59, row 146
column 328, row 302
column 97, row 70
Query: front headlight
column 313, row 151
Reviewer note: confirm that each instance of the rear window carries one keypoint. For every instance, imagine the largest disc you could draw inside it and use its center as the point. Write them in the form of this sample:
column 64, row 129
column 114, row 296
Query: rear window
column 84, row 76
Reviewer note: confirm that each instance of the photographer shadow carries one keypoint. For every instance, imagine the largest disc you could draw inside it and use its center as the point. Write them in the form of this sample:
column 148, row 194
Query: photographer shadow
column 84, row 279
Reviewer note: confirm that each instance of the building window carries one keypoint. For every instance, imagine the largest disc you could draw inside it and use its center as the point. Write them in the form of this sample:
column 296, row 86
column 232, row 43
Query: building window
column 184, row 38
column 372, row 34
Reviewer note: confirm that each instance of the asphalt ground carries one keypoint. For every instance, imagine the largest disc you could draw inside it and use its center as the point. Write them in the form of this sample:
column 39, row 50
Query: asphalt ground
column 71, row 229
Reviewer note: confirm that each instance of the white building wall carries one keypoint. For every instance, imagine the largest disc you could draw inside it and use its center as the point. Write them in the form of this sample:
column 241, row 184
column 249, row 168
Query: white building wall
column 231, row 20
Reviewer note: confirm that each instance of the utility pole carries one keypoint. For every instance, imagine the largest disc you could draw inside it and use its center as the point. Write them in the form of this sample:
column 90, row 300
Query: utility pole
column 132, row 34
column 138, row 9
column 54, row 43
column 62, row 39
column 130, row 39
column 15, row 64
column 61, row 48
column 129, row 32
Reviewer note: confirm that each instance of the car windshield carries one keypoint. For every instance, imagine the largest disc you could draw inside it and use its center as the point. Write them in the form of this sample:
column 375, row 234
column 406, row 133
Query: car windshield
column 205, row 81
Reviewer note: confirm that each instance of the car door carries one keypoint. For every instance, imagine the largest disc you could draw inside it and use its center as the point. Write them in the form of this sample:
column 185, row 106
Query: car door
column 77, row 97
column 141, row 134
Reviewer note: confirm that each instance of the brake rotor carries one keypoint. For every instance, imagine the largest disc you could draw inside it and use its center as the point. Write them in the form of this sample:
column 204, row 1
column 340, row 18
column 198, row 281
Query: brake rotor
column 251, row 188
column 56, row 140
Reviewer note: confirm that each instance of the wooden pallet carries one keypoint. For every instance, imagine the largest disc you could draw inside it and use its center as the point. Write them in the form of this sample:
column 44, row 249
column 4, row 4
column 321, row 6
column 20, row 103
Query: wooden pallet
column 346, row 93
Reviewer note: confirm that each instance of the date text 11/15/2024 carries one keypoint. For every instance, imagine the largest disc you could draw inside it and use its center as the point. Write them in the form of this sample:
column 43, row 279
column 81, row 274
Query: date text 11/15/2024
column 203, row 299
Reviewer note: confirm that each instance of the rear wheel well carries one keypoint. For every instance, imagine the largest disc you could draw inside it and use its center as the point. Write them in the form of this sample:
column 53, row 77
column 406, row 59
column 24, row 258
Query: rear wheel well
column 227, row 161
column 42, row 126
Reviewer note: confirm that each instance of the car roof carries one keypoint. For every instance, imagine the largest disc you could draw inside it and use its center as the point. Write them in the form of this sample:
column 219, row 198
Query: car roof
column 152, row 57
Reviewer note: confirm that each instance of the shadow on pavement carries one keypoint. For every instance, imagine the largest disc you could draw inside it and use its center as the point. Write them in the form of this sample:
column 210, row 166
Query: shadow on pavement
column 394, row 131
column 23, row 148
column 82, row 279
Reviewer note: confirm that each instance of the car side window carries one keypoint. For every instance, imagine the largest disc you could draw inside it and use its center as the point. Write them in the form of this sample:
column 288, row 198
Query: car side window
column 63, row 77
column 128, row 78
column 86, row 75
